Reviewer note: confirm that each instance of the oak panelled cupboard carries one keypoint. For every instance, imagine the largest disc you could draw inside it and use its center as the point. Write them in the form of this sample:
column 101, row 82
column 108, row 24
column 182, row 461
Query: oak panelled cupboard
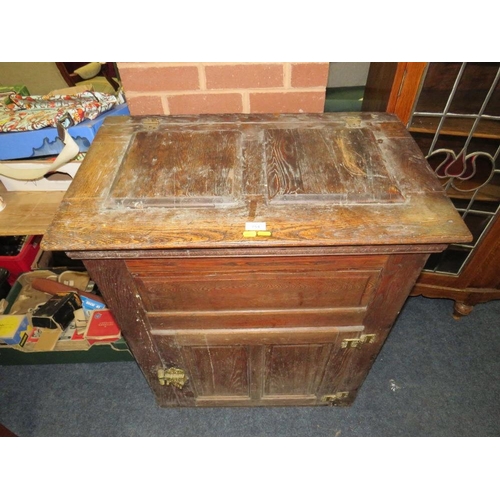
column 255, row 259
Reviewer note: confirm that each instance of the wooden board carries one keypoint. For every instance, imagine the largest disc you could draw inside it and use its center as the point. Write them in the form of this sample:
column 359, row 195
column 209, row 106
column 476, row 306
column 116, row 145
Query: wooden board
column 28, row 213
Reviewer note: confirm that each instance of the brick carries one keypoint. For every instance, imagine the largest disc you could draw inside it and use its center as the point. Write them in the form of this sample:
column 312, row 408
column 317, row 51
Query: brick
column 310, row 74
column 205, row 103
column 244, row 76
column 145, row 105
column 287, row 102
column 159, row 79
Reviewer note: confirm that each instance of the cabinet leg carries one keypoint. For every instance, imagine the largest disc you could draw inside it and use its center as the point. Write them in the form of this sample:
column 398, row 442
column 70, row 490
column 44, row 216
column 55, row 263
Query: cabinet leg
column 461, row 309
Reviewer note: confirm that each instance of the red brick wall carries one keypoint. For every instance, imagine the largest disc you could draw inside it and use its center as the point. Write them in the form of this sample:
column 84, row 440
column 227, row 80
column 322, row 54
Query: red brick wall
column 197, row 88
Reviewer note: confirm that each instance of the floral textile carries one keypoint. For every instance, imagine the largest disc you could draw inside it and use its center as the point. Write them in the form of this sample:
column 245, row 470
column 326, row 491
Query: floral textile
column 36, row 112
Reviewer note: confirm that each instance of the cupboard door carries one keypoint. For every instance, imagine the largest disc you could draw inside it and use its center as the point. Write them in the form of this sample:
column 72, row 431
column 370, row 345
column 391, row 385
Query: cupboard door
column 296, row 368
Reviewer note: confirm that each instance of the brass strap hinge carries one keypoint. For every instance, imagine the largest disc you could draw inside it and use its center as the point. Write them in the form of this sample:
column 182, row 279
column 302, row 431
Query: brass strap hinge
column 172, row 376
column 332, row 398
column 356, row 343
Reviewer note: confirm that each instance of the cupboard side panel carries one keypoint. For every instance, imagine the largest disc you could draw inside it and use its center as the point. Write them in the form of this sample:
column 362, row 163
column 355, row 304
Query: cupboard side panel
column 127, row 307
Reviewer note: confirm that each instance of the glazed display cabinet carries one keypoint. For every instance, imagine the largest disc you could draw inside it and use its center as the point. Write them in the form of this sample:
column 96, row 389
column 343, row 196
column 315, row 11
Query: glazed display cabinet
column 452, row 110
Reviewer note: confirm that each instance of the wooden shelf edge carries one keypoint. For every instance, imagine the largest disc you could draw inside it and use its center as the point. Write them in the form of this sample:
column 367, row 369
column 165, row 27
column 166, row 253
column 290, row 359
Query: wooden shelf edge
column 28, row 212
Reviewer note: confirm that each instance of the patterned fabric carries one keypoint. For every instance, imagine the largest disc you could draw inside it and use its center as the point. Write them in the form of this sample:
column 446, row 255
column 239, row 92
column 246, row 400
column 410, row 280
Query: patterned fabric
column 36, row 112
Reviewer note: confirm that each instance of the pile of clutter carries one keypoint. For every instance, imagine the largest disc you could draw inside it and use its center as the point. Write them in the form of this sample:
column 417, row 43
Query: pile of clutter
column 47, row 310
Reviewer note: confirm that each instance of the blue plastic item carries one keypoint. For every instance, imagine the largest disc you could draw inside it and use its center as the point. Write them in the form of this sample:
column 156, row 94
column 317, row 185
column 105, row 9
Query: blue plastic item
column 46, row 142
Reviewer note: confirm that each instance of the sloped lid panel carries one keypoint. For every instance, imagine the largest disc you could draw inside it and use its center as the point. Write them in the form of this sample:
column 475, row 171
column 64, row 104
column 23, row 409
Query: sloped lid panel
column 328, row 165
column 179, row 169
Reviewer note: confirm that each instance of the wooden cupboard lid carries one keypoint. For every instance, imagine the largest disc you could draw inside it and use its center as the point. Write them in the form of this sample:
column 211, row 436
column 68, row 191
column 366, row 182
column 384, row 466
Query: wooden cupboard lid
column 199, row 181
column 204, row 168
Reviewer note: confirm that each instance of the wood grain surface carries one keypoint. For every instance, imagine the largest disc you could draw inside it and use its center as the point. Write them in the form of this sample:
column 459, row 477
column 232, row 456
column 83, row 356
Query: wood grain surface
column 194, row 182
column 28, row 213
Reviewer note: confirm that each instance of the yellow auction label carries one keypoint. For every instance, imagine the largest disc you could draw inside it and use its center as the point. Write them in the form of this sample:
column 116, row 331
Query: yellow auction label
column 253, row 234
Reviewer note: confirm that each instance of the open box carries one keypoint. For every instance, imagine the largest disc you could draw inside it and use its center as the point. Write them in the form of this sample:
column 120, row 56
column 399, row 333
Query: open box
column 22, row 299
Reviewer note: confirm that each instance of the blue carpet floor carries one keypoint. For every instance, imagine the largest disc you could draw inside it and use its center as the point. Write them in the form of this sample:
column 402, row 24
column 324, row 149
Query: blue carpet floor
column 435, row 376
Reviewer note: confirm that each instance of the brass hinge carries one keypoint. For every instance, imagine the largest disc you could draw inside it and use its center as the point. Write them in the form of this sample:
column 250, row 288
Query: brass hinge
column 151, row 123
column 172, row 376
column 363, row 339
column 331, row 398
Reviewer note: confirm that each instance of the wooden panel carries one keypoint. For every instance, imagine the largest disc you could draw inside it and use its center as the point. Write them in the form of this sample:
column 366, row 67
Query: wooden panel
column 274, row 260
column 345, row 369
column 284, row 318
column 170, row 168
column 327, row 165
column 127, row 308
column 27, row 213
column 294, row 370
column 219, row 371
column 259, row 284
column 337, row 289
column 258, row 336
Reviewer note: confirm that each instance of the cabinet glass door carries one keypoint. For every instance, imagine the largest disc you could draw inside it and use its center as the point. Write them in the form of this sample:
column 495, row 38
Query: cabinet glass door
column 456, row 123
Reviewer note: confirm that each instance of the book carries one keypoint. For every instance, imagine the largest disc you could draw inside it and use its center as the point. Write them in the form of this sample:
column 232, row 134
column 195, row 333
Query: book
column 102, row 327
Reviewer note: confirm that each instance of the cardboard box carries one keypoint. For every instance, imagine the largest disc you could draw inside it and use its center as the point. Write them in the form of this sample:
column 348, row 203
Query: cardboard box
column 46, row 338
column 14, row 329
column 57, row 346
column 104, row 352
column 22, row 297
